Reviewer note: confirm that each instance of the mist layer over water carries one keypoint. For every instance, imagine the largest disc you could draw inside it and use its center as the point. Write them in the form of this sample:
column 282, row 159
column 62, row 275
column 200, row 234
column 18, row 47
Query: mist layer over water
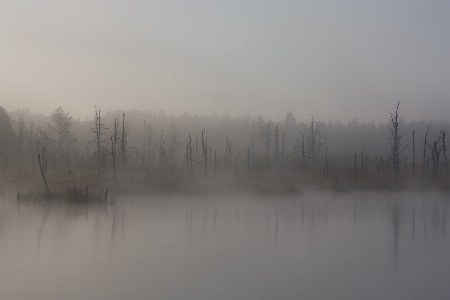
column 312, row 246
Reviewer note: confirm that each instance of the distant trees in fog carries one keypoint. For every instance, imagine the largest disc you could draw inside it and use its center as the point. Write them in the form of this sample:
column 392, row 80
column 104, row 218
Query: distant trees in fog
column 65, row 140
column 200, row 145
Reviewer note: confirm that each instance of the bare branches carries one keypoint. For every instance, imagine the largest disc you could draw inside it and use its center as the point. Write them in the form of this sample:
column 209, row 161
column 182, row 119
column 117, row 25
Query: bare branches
column 266, row 134
column 123, row 141
column 397, row 147
column 174, row 144
column 98, row 139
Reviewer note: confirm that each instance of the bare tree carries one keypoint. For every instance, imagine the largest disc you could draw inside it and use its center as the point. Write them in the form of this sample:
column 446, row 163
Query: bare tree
column 444, row 151
column 253, row 143
column 149, row 145
column 228, row 153
column 436, row 150
column 283, row 148
column 414, row 157
column 71, row 149
column 114, row 137
column 62, row 127
column 435, row 153
column 205, row 152
column 425, row 143
column 396, row 143
column 174, row 144
column 99, row 141
column 190, row 156
column 276, row 149
column 43, row 168
column 162, row 157
column 315, row 142
column 123, row 141
column 267, row 136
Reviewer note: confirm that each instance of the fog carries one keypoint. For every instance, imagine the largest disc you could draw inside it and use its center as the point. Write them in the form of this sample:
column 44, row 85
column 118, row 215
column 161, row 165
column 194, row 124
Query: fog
column 118, row 153
column 336, row 59
column 224, row 150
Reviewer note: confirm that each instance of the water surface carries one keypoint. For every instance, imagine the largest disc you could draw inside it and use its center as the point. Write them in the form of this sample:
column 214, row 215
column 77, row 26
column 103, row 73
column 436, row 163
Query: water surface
column 311, row 246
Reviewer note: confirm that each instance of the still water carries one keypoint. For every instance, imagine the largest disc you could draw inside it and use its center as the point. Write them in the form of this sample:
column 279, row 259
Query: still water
column 311, row 246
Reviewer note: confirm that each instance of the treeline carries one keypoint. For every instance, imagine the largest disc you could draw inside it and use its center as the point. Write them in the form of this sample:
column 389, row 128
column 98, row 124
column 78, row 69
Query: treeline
column 156, row 143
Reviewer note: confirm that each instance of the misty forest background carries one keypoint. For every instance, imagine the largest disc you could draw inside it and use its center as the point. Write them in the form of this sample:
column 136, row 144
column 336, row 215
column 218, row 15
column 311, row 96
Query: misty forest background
column 116, row 144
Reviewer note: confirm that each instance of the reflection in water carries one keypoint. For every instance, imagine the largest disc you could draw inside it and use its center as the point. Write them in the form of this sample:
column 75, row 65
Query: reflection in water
column 423, row 219
column 97, row 229
column 47, row 209
column 396, row 221
column 414, row 220
column 435, row 217
column 276, row 226
column 113, row 229
column 204, row 221
column 190, row 230
column 312, row 246
column 443, row 218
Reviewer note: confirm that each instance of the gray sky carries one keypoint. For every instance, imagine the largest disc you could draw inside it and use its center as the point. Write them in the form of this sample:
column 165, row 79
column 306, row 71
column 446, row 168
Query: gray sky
column 335, row 60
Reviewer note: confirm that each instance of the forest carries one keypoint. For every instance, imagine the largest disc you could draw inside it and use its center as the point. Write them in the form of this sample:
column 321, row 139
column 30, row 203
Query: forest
column 118, row 152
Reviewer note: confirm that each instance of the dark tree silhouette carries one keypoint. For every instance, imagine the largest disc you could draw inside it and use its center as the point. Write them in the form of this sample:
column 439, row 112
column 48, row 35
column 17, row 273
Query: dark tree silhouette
column 315, row 142
column 397, row 147
column 205, row 152
column 444, row 152
column 123, row 141
column 267, row 136
column 425, row 143
column 114, row 137
column 6, row 136
column 99, row 141
column 174, row 144
column 149, row 145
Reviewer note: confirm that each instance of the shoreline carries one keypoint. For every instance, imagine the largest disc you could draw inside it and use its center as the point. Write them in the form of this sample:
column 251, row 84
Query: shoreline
column 87, row 187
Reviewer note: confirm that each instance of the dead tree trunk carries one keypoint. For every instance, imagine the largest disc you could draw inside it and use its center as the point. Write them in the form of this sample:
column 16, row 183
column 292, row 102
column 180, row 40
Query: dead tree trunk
column 215, row 163
column 205, row 153
column 425, row 143
column 283, row 149
column 226, row 154
column 395, row 144
column 435, row 158
column 123, row 143
column 414, row 158
column 303, row 155
column 41, row 167
column 237, row 165
column 114, row 138
column 362, row 162
column 248, row 161
column 276, row 149
column 444, row 149
column 189, row 156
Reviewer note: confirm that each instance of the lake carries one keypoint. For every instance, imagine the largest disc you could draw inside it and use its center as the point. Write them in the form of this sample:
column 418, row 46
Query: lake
column 317, row 245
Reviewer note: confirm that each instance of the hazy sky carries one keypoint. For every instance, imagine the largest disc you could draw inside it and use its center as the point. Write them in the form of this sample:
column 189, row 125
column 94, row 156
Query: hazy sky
column 335, row 60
